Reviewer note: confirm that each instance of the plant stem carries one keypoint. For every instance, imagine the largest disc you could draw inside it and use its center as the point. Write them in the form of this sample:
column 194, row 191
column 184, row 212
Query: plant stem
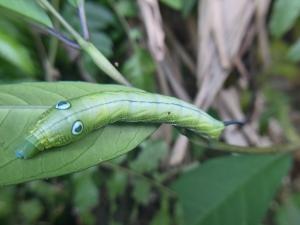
column 53, row 45
column 82, row 18
column 99, row 59
column 61, row 37
column 217, row 145
column 69, row 28
column 284, row 148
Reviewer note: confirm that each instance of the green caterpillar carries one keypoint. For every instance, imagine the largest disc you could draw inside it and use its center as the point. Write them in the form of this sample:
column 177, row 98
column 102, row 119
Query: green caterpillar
column 72, row 119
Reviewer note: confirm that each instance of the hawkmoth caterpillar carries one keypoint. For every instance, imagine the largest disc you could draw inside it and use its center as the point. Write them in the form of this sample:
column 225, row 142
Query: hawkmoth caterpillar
column 70, row 120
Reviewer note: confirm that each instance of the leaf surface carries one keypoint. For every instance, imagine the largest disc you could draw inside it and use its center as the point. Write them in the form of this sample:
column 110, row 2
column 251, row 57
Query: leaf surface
column 283, row 17
column 230, row 190
column 15, row 53
column 29, row 9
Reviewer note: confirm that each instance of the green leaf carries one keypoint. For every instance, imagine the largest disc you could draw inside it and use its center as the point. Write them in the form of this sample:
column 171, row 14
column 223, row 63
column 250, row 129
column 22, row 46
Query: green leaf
column 31, row 210
column 289, row 212
column 48, row 192
column 22, row 104
column 15, row 53
column 29, row 8
column 86, row 192
column 74, row 3
column 284, row 15
column 86, row 195
column 281, row 64
column 154, row 150
column 139, row 69
column 103, row 42
column 175, row 4
column 230, row 190
column 126, row 8
column 98, row 16
column 7, row 199
column 141, row 191
column 188, row 6
column 116, row 185
column 294, row 52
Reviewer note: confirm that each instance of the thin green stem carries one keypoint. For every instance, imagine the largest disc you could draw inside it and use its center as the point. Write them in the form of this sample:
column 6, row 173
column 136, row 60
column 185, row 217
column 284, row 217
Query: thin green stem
column 53, row 45
column 99, row 59
column 215, row 145
column 288, row 128
column 69, row 28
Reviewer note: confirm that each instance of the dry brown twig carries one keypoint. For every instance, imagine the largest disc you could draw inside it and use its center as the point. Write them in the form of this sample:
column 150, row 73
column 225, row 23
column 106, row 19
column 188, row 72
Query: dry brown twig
column 222, row 25
column 180, row 51
column 152, row 20
column 261, row 13
column 167, row 71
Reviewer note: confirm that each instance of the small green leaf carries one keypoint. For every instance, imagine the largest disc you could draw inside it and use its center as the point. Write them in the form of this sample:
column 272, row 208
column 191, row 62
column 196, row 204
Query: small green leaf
column 74, row 2
column 281, row 64
column 43, row 190
column 7, row 199
column 289, row 212
column 22, row 104
column 175, row 4
column 15, row 53
column 154, row 150
column 86, row 195
column 230, row 190
column 102, row 42
column 294, row 52
column 126, row 8
column 188, row 6
column 139, row 70
column 97, row 15
column 141, row 191
column 116, row 185
column 29, row 8
column 31, row 210
column 284, row 15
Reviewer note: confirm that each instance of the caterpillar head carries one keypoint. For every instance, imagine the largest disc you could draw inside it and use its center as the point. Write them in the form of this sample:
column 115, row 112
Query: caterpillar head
column 58, row 126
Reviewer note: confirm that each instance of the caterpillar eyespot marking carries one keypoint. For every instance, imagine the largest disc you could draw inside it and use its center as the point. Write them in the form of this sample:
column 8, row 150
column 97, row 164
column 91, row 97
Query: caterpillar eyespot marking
column 62, row 105
column 77, row 127
column 72, row 119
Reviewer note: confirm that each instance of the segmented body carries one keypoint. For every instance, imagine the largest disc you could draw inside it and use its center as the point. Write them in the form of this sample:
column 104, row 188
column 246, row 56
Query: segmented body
column 72, row 119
